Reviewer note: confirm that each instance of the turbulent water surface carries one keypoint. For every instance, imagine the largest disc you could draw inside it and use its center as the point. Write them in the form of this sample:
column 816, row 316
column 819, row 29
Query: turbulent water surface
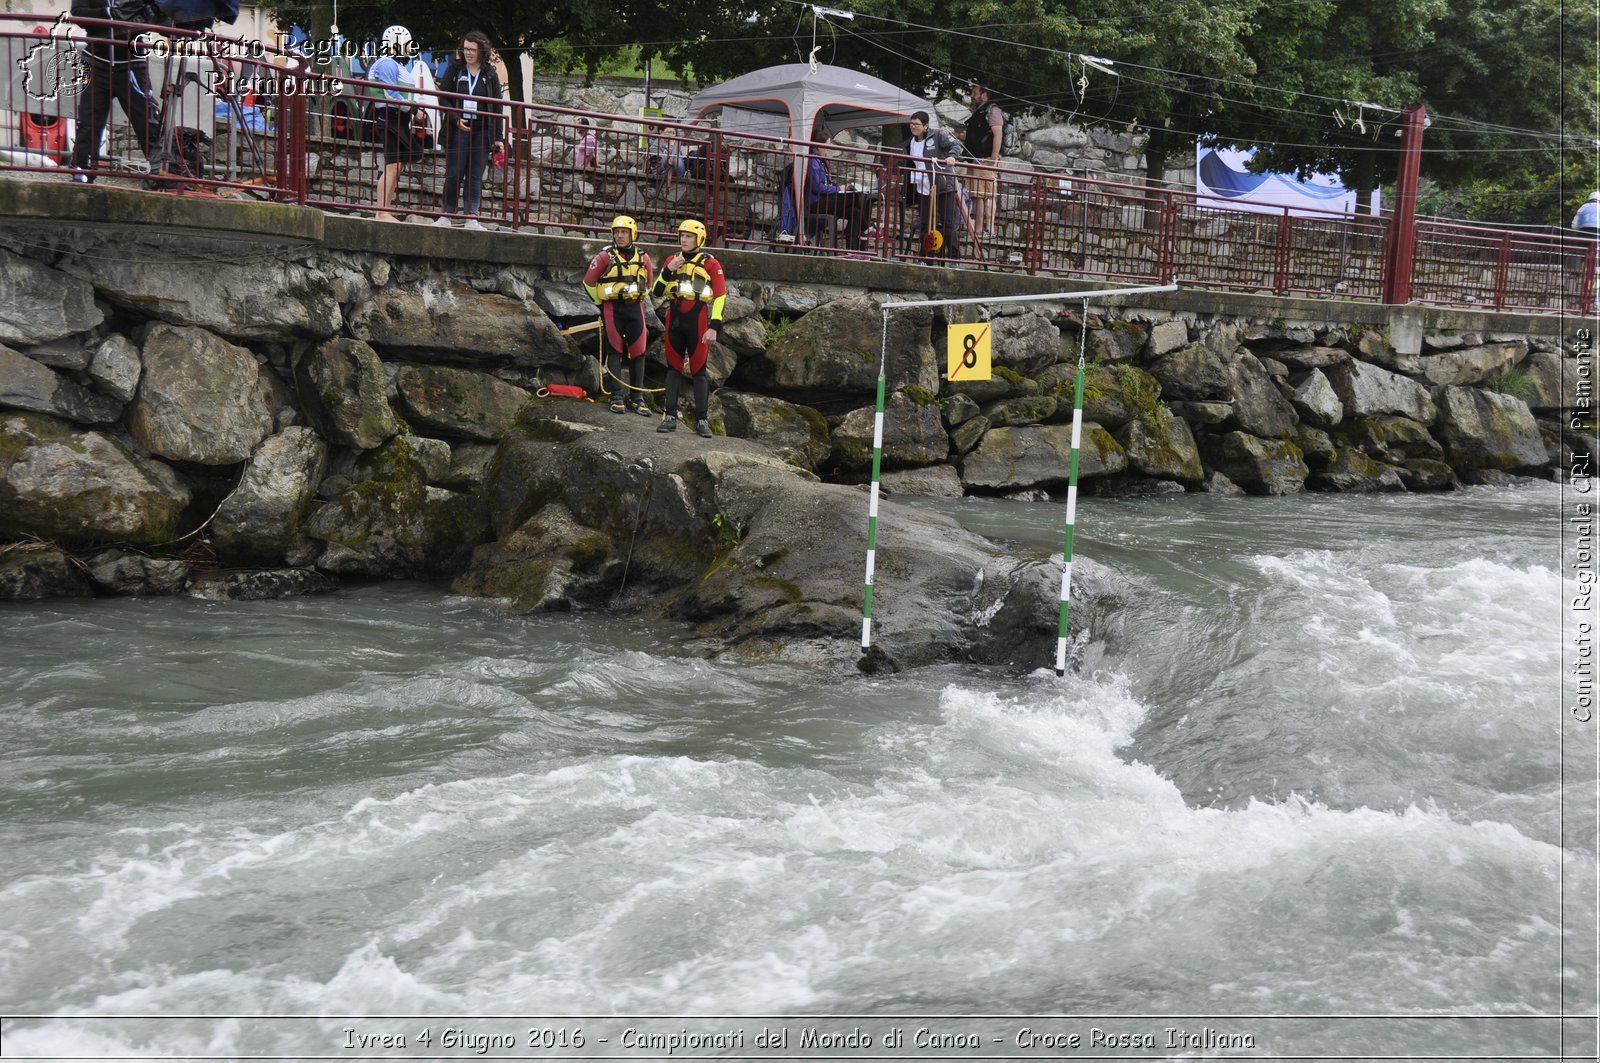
column 1308, row 798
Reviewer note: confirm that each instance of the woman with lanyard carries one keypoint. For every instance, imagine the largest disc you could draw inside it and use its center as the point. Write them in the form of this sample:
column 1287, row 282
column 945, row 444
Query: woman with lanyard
column 472, row 124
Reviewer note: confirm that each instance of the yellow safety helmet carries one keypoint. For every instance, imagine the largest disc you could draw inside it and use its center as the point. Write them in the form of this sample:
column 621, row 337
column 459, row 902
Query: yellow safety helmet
column 623, row 221
column 689, row 225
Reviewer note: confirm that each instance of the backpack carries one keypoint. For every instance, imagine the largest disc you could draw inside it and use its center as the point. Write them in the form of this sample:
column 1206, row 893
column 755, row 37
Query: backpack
column 1010, row 139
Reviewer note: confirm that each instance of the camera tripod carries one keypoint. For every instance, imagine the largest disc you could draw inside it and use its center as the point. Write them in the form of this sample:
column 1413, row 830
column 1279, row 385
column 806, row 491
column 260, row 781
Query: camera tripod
column 182, row 144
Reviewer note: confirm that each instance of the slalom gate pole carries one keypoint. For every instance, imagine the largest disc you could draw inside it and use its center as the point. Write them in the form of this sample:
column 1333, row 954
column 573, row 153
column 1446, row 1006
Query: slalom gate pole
column 872, row 504
column 1077, row 430
column 1072, row 499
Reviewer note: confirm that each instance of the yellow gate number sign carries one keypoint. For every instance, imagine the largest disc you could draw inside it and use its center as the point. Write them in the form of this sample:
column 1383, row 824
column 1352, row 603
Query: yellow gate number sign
column 968, row 352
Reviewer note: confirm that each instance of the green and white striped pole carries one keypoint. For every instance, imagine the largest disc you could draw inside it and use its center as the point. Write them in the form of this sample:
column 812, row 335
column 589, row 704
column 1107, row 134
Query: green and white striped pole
column 1077, row 431
column 872, row 505
column 1072, row 499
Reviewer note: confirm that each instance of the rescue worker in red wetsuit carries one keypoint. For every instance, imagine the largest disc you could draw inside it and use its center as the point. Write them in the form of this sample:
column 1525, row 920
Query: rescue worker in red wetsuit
column 618, row 280
column 696, row 290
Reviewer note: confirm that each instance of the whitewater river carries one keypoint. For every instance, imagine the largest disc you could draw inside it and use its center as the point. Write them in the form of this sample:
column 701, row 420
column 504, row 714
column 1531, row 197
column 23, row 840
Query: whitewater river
column 1315, row 794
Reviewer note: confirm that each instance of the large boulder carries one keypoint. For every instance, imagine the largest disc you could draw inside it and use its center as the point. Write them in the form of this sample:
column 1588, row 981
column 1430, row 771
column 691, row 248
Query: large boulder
column 1024, row 409
column 1464, row 365
column 127, row 572
column 1099, row 341
column 448, row 320
column 1195, row 371
column 1311, row 356
column 1352, row 471
column 1316, row 400
column 392, row 523
column 1425, row 474
column 965, row 436
column 1115, row 342
column 1162, row 446
column 264, row 516
column 797, row 433
column 459, row 403
column 80, row 488
column 913, row 434
column 254, row 585
column 1024, row 343
column 71, row 353
column 745, row 337
column 27, row 385
column 31, row 571
column 1552, row 381
column 1484, row 430
column 1112, row 395
column 1167, row 336
column 1366, row 390
column 115, row 367
column 342, row 390
column 260, row 300
column 42, row 304
column 1258, row 407
column 545, row 564
column 1390, row 439
column 1039, row 456
column 934, row 481
column 751, row 551
column 836, row 349
column 959, row 408
column 1260, row 466
column 201, row 398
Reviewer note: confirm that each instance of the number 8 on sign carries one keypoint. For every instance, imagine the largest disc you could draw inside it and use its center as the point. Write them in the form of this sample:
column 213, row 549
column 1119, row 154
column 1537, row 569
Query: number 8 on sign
column 968, row 352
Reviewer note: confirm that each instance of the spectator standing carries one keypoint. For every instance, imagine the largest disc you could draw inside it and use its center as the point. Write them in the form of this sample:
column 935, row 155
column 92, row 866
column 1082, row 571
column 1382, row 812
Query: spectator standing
column 472, row 126
column 617, row 280
column 933, row 154
column 396, row 116
column 984, row 136
column 588, row 147
column 696, row 290
column 1587, row 220
column 114, row 72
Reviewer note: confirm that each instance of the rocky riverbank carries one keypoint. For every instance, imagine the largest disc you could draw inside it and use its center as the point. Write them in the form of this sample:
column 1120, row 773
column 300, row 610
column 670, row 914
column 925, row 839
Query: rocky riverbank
column 176, row 419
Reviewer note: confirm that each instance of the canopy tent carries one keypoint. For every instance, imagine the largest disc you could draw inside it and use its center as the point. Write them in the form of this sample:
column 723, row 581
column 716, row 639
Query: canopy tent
column 788, row 101
column 795, row 99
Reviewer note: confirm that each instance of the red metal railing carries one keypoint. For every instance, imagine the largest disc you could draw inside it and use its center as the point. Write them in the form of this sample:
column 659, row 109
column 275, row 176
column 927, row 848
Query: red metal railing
column 237, row 119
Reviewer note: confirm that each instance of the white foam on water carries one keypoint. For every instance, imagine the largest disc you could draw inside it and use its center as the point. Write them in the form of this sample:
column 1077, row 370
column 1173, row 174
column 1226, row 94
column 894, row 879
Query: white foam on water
column 1007, row 854
column 996, row 841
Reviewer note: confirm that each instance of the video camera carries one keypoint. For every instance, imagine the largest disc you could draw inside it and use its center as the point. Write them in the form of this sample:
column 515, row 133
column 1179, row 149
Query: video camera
column 183, row 14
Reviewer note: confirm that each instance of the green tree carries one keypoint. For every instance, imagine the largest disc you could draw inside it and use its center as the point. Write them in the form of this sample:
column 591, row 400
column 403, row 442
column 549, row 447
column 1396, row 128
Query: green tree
column 1496, row 80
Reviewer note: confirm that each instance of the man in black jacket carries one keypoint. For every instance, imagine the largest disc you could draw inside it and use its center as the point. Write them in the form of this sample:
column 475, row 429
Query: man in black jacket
column 985, row 132
column 933, row 155
column 115, row 72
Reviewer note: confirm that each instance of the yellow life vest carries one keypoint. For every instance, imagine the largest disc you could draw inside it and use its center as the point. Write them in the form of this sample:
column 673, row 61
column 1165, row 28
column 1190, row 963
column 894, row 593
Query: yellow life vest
column 624, row 278
column 692, row 280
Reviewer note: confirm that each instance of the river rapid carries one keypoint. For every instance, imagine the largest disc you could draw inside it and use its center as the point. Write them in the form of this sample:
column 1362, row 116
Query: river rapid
column 1313, row 792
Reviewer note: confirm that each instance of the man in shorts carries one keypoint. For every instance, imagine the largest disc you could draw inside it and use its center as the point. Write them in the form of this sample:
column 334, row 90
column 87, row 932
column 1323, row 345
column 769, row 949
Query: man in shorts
column 983, row 138
column 394, row 116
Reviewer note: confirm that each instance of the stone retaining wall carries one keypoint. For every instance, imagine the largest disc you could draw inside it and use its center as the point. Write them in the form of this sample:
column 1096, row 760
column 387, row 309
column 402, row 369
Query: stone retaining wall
column 193, row 384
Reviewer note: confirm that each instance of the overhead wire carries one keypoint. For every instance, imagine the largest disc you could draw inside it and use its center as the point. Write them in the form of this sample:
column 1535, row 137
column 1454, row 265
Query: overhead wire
column 1466, row 124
